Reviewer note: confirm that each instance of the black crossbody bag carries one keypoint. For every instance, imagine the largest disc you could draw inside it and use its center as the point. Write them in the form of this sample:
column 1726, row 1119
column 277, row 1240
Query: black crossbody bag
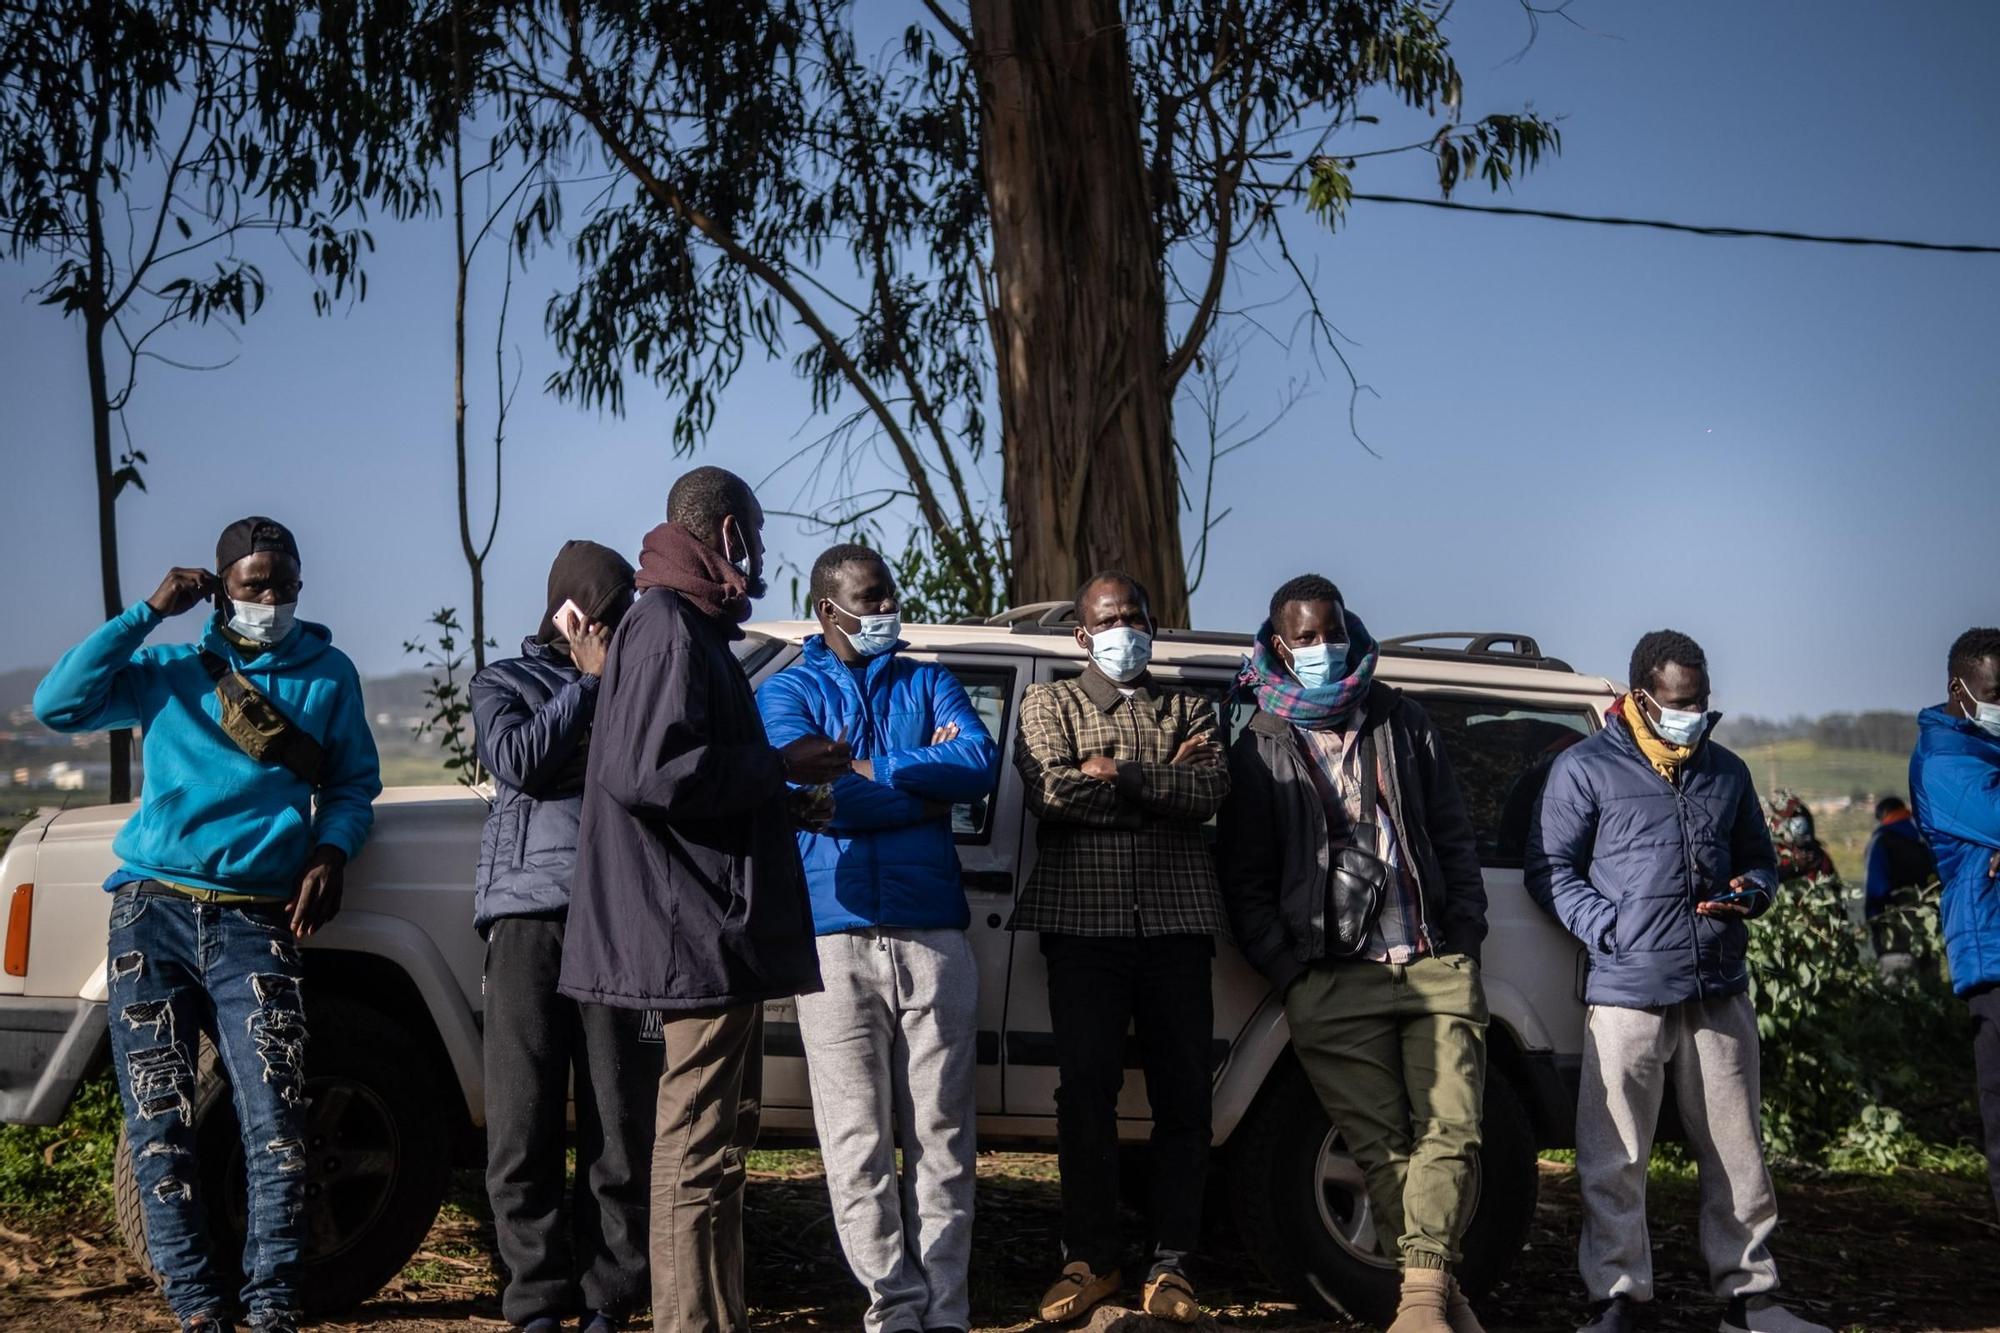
column 1357, row 880
column 254, row 723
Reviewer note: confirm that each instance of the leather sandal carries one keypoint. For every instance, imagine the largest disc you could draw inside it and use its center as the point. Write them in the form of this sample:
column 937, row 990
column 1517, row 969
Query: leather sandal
column 1076, row 1292
column 1170, row 1296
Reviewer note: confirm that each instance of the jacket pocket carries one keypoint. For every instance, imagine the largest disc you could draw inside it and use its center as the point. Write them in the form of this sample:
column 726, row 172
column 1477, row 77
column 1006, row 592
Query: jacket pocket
column 223, row 834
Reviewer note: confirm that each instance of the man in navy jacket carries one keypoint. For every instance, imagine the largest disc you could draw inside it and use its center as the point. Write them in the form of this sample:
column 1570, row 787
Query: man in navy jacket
column 1649, row 844
column 688, row 895
column 891, row 1040
column 532, row 717
column 1955, row 785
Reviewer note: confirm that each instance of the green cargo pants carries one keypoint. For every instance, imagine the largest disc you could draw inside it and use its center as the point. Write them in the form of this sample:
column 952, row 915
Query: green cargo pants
column 1397, row 1054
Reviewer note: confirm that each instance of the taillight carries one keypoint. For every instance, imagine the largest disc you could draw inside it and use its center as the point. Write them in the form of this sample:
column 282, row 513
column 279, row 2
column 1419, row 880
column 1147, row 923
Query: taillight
column 20, row 913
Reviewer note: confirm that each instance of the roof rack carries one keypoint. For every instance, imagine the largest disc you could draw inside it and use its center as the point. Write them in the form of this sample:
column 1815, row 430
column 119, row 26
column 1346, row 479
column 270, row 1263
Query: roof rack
column 1488, row 646
column 1505, row 648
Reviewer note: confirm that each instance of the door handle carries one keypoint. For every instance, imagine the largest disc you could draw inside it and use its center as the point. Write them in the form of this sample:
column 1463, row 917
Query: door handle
column 1000, row 883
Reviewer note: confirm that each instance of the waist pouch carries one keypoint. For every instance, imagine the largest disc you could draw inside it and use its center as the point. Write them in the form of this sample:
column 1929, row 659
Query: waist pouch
column 1357, row 880
column 256, row 726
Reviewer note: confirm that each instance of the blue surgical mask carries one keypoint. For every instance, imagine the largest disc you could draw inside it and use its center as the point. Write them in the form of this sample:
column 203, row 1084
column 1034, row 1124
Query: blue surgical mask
column 1317, row 664
column 1985, row 716
column 877, row 635
column 1677, row 726
column 1121, row 653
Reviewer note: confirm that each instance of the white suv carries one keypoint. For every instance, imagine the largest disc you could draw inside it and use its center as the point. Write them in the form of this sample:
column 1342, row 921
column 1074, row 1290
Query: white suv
column 394, row 983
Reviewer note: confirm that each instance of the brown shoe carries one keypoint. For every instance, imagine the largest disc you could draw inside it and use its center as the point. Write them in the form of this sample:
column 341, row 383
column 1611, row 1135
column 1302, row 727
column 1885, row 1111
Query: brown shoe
column 1169, row 1296
column 1425, row 1291
column 1458, row 1312
column 1075, row 1292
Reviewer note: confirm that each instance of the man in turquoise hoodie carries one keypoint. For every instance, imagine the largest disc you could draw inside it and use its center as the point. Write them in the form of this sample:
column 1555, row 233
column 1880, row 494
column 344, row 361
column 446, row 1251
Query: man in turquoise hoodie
column 1955, row 786
column 260, row 779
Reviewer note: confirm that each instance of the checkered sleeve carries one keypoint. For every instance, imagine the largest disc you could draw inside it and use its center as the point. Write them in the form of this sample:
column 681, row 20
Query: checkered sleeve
column 1046, row 755
column 1191, row 792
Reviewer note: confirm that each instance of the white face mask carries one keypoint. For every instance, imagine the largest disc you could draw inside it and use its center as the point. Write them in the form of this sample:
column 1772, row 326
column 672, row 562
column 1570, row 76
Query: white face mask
column 1677, row 726
column 260, row 623
column 1121, row 653
column 1985, row 716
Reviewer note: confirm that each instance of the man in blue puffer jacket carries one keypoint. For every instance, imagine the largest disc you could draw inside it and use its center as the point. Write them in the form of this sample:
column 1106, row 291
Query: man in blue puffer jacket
column 1649, row 844
column 890, row 1042
column 1955, row 785
column 532, row 717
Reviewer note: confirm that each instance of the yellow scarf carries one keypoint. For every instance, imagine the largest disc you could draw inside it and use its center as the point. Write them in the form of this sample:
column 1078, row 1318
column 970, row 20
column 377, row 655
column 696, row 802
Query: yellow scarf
column 1665, row 757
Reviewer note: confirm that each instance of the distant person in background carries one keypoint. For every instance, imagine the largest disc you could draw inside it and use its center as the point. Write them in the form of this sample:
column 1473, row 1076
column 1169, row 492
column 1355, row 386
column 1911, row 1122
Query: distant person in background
column 532, row 716
column 260, row 784
column 1955, row 786
column 688, row 895
column 1795, row 838
column 892, row 1042
column 1897, row 856
column 1649, row 845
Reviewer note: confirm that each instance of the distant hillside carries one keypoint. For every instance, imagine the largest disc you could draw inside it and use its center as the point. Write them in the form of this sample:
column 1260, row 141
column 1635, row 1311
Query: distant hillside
column 1878, row 730
column 17, row 688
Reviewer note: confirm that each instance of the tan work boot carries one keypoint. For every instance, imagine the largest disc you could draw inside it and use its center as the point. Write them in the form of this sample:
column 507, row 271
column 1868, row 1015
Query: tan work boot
column 1425, row 1291
column 1458, row 1312
column 1075, row 1292
column 1169, row 1296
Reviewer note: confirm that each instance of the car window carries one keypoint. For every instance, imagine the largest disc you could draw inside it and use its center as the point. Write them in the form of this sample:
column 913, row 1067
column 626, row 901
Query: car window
column 753, row 650
column 991, row 690
column 1500, row 753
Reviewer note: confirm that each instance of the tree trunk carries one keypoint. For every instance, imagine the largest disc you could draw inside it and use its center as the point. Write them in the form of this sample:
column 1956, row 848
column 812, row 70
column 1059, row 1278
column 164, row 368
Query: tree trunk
column 1079, row 318
column 472, row 554
column 107, row 526
column 95, row 323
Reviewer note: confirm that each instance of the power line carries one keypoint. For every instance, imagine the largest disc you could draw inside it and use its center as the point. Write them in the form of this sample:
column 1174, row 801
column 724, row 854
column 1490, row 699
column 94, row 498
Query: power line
column 1689, row 227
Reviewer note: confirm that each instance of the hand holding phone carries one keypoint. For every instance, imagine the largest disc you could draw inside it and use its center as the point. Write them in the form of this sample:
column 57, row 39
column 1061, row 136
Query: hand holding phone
column 570, row 620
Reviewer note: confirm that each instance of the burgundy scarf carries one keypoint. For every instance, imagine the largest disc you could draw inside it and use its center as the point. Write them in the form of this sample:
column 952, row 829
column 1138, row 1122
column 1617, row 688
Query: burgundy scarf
column 673, row 558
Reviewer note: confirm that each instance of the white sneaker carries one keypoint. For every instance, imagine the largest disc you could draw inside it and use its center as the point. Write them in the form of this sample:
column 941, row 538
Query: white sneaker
column 1761, row 1314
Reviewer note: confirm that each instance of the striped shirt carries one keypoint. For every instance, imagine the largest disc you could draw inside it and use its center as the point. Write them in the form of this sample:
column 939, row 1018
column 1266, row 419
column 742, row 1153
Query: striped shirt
column 1397, row 936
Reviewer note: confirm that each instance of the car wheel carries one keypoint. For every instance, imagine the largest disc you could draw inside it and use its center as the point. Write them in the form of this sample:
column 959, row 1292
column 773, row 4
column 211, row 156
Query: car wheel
column 1301, row 1203
column 378, row 1158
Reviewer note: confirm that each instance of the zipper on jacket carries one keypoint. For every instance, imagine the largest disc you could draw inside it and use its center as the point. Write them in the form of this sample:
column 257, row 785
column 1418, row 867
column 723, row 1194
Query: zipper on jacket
column 1687, row 859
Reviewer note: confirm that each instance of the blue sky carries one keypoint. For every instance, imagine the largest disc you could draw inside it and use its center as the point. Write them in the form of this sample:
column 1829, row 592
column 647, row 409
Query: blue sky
column 1788, row 451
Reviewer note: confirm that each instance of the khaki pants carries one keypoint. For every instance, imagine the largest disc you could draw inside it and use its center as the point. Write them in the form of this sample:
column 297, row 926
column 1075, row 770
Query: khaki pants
column 706, row 1123
column 1397, row 1054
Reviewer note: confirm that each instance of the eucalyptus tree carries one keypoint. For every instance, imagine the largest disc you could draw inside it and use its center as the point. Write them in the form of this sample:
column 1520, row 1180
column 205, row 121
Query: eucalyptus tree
column 1034, row 206
column 143, row 142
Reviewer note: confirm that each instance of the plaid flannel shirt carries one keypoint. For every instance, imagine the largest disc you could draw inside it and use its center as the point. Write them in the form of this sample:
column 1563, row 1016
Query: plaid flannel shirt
column 1126, row 857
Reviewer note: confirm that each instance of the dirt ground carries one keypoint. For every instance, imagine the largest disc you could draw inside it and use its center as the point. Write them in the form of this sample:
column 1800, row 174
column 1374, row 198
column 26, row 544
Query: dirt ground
column 1907, row 1253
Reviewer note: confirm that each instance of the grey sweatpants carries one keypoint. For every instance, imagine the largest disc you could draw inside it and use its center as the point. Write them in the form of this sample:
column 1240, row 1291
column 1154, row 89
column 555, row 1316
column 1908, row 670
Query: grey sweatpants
column 1708, row 1050
column 890, row 1048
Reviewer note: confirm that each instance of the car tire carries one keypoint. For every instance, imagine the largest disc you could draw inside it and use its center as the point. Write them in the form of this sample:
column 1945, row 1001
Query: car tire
column 378, row 1157
column 1300, row 1208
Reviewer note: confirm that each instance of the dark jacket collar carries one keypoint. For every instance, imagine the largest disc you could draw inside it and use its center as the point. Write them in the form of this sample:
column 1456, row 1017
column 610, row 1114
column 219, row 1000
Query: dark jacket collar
column 1107, row 693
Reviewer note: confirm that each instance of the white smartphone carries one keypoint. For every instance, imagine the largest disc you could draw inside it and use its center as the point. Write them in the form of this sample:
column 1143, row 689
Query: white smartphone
column 570, row 620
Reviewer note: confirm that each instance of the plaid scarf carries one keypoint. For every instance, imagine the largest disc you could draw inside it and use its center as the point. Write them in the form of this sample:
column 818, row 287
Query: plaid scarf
column 1278, row 692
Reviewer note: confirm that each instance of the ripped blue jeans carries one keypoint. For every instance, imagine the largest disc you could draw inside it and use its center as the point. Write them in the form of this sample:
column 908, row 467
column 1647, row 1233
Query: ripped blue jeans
column 179, row 968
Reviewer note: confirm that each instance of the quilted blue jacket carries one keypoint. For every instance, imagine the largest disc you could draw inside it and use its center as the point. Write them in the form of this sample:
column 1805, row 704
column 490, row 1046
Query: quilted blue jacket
column 1620, row 856
column 888, row 858
column 1955, row 787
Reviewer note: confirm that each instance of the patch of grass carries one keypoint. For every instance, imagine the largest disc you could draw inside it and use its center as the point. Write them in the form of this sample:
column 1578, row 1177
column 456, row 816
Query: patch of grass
column 65, row 1167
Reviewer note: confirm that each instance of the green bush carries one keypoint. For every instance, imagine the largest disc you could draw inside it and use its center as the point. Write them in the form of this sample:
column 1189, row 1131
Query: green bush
column 1860, row 1069
column 64, row 1167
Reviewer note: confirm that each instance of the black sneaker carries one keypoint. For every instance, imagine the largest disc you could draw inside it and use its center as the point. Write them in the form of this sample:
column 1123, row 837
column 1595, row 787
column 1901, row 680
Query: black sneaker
column 1617, row 1315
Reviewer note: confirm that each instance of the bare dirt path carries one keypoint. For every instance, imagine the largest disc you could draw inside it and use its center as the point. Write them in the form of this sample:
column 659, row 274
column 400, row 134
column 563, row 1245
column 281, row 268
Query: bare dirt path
column 1909, row 1253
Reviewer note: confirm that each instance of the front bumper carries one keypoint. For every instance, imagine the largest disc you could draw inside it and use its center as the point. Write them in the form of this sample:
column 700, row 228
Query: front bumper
column 47, row 1045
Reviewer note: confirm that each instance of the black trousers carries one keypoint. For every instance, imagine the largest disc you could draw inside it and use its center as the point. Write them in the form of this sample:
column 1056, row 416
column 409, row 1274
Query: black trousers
column 596, row 1248
column 1985, row 1005
column 1098, row 988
